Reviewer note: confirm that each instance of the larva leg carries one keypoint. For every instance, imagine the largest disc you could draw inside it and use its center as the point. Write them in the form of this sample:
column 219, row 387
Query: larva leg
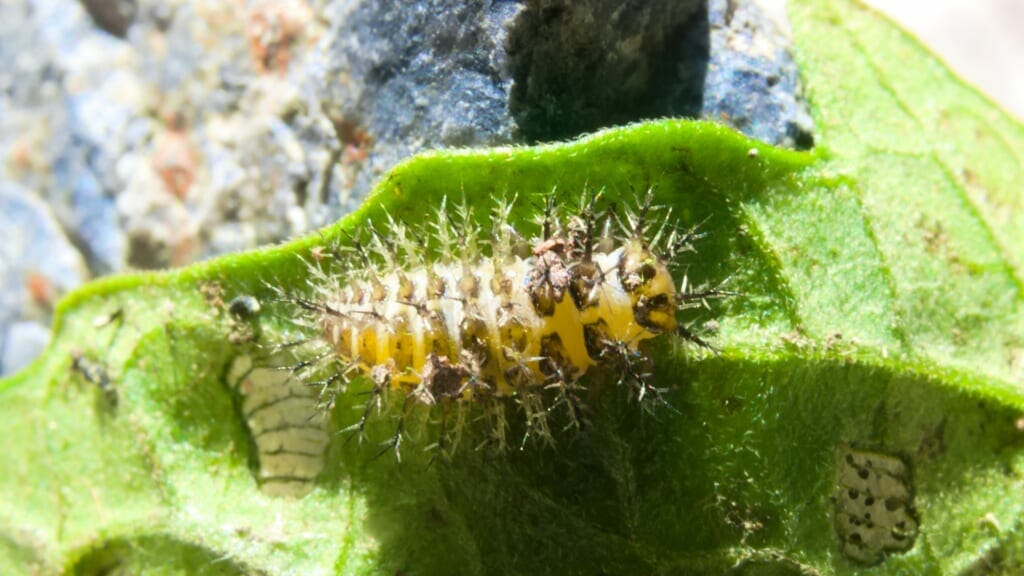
column 448, row 432
column 566, row 396
column 634, row 371
column 532, row 404
column 562, row 379
column 686, row 334
column 442, row 433
column 395, row 442
column 328, row 389
column 381, row 381
column 496, row 422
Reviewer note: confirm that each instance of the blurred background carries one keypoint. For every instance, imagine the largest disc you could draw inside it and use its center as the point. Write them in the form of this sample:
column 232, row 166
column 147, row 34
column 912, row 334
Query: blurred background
column 147, row 134
column 981, row 40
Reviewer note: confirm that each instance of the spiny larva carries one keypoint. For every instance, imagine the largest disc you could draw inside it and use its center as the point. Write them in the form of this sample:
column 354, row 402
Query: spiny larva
column 486, row 321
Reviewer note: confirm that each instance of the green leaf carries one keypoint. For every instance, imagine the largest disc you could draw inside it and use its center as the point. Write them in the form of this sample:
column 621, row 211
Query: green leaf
column 880, row 320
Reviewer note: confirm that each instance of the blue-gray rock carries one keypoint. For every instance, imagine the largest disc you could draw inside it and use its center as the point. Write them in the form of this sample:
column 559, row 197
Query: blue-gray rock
column 197, row 129
column 398, row 78
column 161, row 133
column 752, row 81
column 37, row 265
column 20, row 343
column 59, row 138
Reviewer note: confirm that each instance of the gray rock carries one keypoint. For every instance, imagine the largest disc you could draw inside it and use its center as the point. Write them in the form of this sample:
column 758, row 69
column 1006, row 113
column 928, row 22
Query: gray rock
column 20, row 343
column 34, row 244
column 59, row 138
column 752, row 81
column 164, row 132
column 37, row 265
column 398, row 78
column 113, row 16
column 207, row 130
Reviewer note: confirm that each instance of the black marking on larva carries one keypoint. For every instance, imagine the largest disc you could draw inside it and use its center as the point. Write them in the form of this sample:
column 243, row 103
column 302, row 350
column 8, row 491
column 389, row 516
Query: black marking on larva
column 518, row 376
column 436, row 286
column 652, row 312
column 585, row 277
column 476, row 326
column 636, row 270
column 473, row 329
column 595, row 337
column 553, row 353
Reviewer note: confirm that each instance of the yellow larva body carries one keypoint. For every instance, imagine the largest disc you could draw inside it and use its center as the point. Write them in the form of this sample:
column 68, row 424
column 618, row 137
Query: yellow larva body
column 486, row 323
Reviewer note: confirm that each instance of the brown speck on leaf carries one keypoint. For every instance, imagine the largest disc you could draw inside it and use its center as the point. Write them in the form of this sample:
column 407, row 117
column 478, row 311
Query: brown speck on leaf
column 833, row 340
column 213, row 293
column 797, row 339
column 932, row 442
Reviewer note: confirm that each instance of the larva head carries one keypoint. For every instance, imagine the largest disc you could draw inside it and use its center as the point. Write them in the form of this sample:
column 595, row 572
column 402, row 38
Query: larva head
column 648, row 281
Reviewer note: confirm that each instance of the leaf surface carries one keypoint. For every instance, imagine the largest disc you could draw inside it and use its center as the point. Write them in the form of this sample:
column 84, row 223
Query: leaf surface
column 880, row 317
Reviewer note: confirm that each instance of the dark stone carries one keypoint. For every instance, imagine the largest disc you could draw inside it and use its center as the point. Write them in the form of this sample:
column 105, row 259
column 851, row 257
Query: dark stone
column 37, row 266
column 113, row 16
column 752, row 82
column 581, row 65
column 410, row 76
column 285, row 119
